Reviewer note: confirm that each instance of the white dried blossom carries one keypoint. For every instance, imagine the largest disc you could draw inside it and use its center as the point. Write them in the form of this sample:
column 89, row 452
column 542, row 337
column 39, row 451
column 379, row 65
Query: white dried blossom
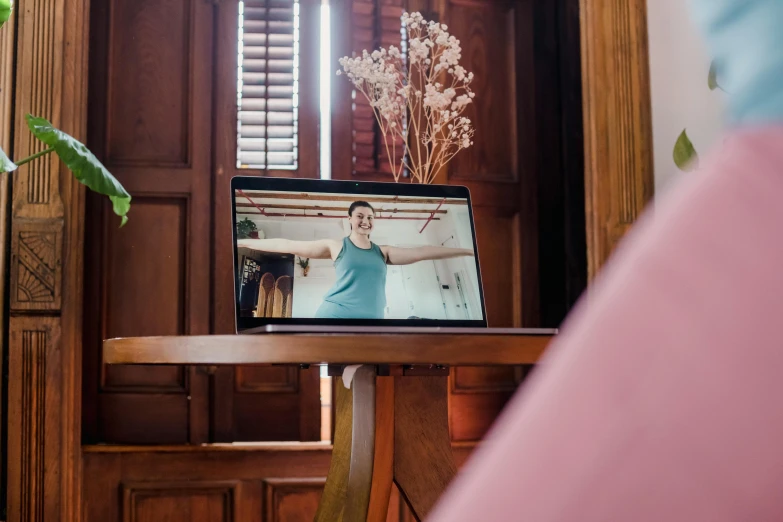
column 412, row 107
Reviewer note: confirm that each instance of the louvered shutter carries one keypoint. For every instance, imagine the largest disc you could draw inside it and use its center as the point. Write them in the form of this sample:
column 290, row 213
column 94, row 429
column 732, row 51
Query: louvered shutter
column 268, row 84
column 376, row 23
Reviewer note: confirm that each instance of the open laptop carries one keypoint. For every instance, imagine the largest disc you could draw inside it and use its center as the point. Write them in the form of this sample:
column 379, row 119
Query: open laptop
column 320, row 256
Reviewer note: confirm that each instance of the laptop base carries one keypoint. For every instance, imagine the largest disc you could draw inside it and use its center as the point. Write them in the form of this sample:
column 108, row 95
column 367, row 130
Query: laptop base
column 319, row 329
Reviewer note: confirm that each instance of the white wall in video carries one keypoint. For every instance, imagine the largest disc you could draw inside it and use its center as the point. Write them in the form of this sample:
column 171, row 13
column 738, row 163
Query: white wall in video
column 304, row 256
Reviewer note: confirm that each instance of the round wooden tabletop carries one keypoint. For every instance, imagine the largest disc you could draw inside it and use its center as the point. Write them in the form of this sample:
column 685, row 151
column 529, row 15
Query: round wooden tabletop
column 464, row 350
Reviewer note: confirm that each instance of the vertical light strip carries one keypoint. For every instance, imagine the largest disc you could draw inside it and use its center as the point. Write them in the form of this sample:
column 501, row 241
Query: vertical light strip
column 326, row 92
column 295, row 101
column 240, row 77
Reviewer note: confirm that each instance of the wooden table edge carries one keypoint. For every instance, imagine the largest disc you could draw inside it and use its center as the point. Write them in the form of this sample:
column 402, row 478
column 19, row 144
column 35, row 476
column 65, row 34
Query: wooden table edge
column 462, row 350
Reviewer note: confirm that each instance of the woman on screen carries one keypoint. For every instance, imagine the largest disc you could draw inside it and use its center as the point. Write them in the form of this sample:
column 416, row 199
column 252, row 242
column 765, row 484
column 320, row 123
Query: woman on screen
column 360, row 289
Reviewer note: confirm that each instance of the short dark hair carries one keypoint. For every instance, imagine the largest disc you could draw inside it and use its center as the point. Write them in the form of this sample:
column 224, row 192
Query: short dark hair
column 357, row 204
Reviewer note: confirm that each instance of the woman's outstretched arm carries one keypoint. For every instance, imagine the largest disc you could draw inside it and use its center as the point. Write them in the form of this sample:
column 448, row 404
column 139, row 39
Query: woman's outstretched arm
column 318, row 249
column 407, row 256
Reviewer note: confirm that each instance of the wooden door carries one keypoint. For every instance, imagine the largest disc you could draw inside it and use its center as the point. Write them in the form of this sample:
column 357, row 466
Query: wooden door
column 149, row 120
column 161, row 116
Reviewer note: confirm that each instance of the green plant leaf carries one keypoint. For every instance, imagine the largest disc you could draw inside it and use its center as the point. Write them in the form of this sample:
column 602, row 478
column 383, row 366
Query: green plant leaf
column 712, row 77
column 685, row 156
column 85, row 166
column 6, row 6
column 6, row 165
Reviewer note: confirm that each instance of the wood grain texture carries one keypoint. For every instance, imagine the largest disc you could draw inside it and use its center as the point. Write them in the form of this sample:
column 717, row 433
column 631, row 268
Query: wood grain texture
column 292, row 499
column 466, row 350
column 275, row 480
column 342, row 104
column 330, row 509
column 138, row 404
column 617, row 119
column 45, row 242
column 33, row 432
column 6, row 121
column 152, row 44
column 487, row 33
column 279, row 380
column 373, row 24
column 360, row 474
column 423, row 461
column 174, row 501
column 36, row 265
column 74, row 122
column 39, row 88
column 150, row 118
column 383, row 461
column 269, row 482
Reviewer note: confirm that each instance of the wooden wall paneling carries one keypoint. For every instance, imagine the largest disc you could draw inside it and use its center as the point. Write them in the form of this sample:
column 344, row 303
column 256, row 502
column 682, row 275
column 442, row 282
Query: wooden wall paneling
column 186, row 501
column 258, row 403
column 34, row 435
column 486, row 31
column 6, row 122
column 150, row 118
column 268, row 482
column 341, row 102
column 374, row 24
column 358, row 150
column 44, row 293
column 617, row 121
column 74, row 121
column 292, row 499
column 261, row 482
column 270, row 403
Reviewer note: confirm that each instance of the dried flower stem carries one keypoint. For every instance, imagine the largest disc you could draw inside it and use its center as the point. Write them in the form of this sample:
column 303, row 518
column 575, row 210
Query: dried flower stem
column 434, row 110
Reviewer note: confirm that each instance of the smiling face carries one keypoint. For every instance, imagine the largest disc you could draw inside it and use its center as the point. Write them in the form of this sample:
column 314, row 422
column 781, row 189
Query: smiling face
column 361, row 220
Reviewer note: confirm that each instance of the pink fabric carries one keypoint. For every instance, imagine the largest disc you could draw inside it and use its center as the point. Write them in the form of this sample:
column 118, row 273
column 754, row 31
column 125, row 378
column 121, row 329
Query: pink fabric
column 662, row 399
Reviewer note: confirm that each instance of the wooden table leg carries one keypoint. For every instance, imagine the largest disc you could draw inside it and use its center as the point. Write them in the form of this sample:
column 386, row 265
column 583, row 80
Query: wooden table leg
column 360, row 475
column 423, row 460
column 330, row 509
column 387, row 427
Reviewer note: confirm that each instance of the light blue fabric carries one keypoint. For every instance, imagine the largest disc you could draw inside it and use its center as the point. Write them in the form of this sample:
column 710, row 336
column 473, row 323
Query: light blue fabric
column 360, row 289
column 745, row 38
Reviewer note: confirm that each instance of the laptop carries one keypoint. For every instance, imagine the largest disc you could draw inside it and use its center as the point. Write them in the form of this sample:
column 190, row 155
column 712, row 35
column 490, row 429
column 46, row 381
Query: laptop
column 321, row 256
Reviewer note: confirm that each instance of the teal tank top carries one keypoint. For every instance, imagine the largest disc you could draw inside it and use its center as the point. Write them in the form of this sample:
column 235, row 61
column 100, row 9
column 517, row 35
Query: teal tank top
column 360, row 289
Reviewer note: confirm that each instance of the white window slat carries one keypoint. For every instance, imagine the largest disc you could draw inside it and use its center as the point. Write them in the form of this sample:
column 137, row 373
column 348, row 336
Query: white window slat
column 267, row 86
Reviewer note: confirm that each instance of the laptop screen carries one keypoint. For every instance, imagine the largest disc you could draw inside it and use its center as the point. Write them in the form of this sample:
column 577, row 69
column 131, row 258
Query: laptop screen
column 330, row 252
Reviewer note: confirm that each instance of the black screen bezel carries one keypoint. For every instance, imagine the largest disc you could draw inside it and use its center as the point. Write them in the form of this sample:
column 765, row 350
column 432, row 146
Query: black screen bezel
column 360, row 188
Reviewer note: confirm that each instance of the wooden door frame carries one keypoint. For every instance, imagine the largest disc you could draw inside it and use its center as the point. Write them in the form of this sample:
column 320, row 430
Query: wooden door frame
column 45, row 334
column 617, row 121
column 44, row 277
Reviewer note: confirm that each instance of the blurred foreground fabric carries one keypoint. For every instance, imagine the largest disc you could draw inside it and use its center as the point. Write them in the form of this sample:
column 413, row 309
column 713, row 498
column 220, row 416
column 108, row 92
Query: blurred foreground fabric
column 663, row 397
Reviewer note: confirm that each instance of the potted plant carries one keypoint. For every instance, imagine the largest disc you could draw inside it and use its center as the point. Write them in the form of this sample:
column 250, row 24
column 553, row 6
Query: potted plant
column 305, row 264
column 80, row 161
column 247, row 229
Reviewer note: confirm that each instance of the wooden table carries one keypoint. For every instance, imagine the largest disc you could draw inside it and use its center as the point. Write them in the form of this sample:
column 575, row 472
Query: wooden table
column 391, row 426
